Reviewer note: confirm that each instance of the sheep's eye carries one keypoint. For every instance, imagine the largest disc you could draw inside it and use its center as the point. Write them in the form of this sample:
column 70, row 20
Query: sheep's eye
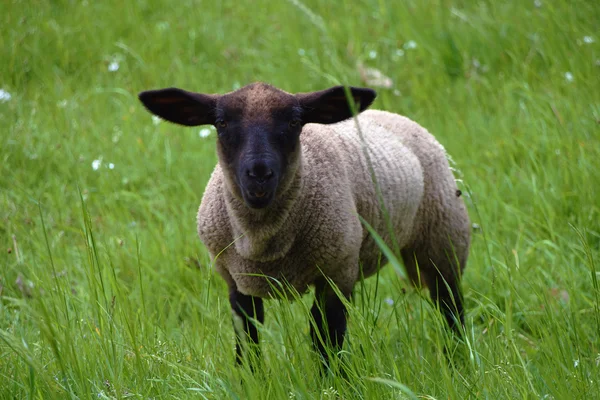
column 221, row 124
column 294, row 123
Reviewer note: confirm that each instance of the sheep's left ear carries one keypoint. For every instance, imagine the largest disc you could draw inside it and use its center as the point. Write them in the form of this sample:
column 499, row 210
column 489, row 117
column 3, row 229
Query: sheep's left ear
column 180, row 106
column 331, row 105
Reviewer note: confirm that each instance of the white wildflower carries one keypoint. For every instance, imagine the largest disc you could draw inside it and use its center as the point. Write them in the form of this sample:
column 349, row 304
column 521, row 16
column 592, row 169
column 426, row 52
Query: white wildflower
column 331, row 392
column 155, row 120
column 162, row 26
column 399, row 52
column 96, row 164
column 588, row 39
column 204, row 132
column 575, row 363
column 389, row 301
column 4, row 96
column 111, row 166
column 537, row 3
column 411, row 44
column 569, row 76
column 113, row 66
column 374, row 77
column 372, row 54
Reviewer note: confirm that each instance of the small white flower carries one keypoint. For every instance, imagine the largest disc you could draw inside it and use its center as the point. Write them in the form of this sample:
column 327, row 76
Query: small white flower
column 113, row 66
column 411, row 44
column 569, row 76
column 575, row 363
column 162, row 26
column 588, row 39
column 537, row 3
column 96, row 164
column 399, row 52
column 301, row 52
column 111, row 166
column 204, row 132
column 155, row 120
column 372, row 54
column 389, row 301
column 4, row 96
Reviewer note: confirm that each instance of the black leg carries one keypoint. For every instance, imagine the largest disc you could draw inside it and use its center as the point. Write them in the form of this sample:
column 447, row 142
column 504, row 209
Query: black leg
column 246, row 309
column 329, row 313
column 448, row 296
column 443, row 280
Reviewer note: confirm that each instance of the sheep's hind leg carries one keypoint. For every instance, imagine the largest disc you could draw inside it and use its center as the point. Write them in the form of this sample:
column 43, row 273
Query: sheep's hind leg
column 447, row 294
column 329, row 314
column 441, row 274
column 246, row 309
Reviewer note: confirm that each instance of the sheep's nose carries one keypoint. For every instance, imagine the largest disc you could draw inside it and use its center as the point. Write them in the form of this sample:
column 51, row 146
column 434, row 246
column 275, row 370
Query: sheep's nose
column 260, row 173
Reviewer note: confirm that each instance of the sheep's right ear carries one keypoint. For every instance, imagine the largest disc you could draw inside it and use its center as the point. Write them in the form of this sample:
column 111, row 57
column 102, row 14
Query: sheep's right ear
column 332, row 105
column 180, row 106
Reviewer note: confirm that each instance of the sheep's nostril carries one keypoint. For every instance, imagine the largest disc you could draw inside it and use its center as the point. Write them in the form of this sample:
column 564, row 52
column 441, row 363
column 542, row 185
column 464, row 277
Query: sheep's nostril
column 264, row 177
column 260, row 174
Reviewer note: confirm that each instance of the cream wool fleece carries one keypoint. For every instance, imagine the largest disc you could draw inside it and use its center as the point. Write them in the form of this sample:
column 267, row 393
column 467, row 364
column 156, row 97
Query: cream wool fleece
column 312, row 227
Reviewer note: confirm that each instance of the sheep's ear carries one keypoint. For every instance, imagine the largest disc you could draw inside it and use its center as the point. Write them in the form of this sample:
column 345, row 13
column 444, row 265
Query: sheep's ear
column 180, row 106
column 332, row 105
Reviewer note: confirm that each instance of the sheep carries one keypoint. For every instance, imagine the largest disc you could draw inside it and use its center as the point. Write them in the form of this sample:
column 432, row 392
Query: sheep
column 294, row 176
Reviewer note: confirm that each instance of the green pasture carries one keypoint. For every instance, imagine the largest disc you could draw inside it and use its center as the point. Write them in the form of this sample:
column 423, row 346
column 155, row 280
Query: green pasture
column 106, row 291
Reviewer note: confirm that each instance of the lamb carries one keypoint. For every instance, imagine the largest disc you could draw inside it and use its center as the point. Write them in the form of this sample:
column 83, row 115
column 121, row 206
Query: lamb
column 281, row 209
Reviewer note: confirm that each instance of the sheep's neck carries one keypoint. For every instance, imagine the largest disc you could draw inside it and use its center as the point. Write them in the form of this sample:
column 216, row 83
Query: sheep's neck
column 265, row 235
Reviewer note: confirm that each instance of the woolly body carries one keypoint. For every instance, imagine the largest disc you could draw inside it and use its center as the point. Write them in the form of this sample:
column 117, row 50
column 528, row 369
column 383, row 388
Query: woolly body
column 312, row 227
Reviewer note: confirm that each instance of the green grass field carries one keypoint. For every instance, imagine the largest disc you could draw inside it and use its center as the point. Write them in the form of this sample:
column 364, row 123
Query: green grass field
column 106, row 291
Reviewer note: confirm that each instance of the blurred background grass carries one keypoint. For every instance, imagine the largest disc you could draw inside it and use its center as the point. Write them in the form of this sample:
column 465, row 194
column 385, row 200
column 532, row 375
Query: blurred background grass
column 106, row 290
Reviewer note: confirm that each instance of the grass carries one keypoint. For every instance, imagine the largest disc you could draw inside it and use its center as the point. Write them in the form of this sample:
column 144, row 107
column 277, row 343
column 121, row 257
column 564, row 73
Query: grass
column 105, row 290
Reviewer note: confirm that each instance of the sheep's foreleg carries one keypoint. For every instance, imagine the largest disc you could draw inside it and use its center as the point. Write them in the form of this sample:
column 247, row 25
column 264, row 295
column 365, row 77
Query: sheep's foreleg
column 329, row 314
column 246, row 310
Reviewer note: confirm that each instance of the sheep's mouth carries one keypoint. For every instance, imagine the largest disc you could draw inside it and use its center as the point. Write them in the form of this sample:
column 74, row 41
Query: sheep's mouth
column 258, row 199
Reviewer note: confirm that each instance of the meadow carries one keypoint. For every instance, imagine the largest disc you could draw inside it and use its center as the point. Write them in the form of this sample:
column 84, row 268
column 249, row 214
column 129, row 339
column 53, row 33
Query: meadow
column 106, row 291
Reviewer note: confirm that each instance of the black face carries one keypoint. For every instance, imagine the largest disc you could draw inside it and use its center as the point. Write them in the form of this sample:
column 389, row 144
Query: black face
column 258, row 126
column 256, row 148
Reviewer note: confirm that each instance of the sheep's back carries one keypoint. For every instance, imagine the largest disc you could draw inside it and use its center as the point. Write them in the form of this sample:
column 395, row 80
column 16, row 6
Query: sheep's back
column 442, row 212
column 379, row 152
